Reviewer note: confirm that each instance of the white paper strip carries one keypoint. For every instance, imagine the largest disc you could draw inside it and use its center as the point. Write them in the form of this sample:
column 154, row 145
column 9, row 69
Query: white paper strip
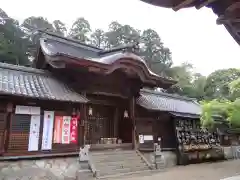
column 66, row 129
column 47, row 130
column 27, row 110
column 34, row 133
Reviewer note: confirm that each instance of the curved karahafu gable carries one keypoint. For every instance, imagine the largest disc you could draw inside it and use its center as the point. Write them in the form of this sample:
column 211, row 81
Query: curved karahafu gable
column 61, row 52
column 228, row 11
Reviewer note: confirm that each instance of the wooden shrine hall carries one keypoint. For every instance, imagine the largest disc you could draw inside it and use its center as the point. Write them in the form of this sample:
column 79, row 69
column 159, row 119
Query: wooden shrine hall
column 77, row 94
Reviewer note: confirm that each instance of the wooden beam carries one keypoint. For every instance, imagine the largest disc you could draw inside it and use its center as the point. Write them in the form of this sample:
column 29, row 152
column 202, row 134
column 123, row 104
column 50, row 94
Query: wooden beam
column 233, row 7
column 183, row 4
column 224, row 20
column 204, row 3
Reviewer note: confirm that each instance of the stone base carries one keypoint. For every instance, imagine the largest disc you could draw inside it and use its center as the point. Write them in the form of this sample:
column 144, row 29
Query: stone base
column 232, row 152
column 228, row 152
column 58, row 168
column 169, row 159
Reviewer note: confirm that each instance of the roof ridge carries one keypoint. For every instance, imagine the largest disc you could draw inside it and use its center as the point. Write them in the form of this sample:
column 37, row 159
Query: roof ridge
column 22, row 68
column 67, row 39
column 168, row 95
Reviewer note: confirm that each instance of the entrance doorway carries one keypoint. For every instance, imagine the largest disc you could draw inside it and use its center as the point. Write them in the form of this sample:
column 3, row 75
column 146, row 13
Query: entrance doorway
column 125, row 127
column 99, row 123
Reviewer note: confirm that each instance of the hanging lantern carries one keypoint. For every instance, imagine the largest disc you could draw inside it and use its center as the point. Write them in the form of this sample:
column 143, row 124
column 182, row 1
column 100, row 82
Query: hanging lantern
column 90, row 111
column 125, row 115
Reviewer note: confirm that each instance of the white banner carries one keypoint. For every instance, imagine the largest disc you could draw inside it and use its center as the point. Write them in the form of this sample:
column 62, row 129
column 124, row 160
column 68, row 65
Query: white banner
column 34, row 133
column 47, row 130
column 66, row 129
column 27, row 110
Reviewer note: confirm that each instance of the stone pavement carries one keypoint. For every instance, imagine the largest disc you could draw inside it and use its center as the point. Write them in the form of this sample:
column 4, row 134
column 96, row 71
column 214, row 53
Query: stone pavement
column 66, row 168
column 205, row 171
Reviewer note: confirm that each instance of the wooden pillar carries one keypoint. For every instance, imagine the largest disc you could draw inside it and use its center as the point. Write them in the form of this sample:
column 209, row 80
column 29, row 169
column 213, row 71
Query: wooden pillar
column 84, row 119
column 132, row 116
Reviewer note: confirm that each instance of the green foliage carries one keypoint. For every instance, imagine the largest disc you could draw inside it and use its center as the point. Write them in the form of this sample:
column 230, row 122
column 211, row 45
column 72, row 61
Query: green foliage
column 217, row 84
column 13, row 46
column 226, row 109
column 80, row 30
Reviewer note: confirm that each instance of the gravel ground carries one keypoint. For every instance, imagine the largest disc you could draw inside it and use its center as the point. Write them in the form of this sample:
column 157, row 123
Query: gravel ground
column 205, row 171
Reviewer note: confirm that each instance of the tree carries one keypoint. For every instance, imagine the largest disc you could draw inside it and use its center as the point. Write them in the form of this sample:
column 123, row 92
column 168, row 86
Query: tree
column 13, row 46
column 215, row 108
column 217, row 83
column 158, row 57
column 119, row 34
column 31, row 25
column 37, row 23
column 59, row 27
column 98, row 38
column 80, row 30
column 114, row 35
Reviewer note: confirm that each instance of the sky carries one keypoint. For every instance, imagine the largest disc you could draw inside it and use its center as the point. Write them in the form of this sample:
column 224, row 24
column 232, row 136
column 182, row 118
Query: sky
column 192, row 35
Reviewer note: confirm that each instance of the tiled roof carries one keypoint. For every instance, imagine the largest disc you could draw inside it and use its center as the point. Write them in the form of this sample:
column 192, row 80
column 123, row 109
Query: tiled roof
column 54, row 46
column 160, row 101
column 34, row 83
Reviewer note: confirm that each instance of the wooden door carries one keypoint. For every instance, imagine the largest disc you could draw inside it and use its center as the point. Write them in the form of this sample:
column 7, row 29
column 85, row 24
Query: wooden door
column 100, row 124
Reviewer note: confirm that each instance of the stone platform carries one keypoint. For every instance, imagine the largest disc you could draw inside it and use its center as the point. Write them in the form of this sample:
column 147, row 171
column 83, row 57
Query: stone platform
column 44, row 169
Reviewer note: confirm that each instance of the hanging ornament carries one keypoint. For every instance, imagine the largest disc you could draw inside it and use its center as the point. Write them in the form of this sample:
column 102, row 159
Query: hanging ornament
column 125, row 115
column 90, row 111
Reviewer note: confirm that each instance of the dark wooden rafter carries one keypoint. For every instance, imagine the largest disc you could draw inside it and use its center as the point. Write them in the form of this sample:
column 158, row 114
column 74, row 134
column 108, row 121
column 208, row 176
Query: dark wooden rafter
column 231, row 14
column 226, row 20
column 183, row 4
column 187, row 3
column 231, row 18
column 233, row 7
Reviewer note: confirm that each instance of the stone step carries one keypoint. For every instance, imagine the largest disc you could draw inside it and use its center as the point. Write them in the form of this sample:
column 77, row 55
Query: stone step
column 119, row 171
column 84, row 175
column 123, row 162
column 114, row 158
column 116, row 154
column 112, row 152
column 127, row 175
column 119, row 166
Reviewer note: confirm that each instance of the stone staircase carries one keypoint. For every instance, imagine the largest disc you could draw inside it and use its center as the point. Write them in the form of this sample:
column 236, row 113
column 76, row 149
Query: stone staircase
column 112, row 164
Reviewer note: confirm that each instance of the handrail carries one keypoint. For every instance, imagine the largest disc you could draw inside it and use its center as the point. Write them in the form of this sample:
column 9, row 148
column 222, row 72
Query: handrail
column 144, row 159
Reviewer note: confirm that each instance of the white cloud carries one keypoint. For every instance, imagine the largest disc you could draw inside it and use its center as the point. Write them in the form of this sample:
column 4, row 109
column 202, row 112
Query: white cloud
column 192, row 35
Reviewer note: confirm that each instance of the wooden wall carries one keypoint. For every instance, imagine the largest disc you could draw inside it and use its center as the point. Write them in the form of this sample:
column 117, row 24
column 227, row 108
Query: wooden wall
column 158, row 124
column 17, row 134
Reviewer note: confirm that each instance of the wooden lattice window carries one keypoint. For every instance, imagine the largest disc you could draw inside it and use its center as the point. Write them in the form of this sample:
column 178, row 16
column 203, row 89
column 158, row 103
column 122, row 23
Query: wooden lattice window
column 19, row 132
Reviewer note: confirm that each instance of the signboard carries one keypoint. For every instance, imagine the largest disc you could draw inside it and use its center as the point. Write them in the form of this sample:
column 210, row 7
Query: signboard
column 47, row 130
column 66, row 129
column 148, row 138
column 74, row 130
column 58, row 129
column 34, row 133
column 27, row 110
column 141, row 139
